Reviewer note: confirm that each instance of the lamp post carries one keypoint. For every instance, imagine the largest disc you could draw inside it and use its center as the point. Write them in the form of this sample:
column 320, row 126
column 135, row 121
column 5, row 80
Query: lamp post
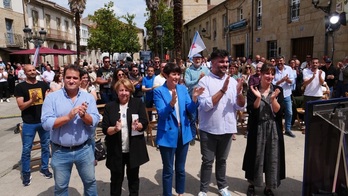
column 325, row 9
column 160, row 33
column 37, row 39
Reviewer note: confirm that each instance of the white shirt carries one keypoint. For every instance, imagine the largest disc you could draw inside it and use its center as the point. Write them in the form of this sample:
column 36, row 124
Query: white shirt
column 21, row 76
column 124, row 129
column 280, row 74
column 3, row 77
column 314, row 87
column 48, row 76
column 159, row 80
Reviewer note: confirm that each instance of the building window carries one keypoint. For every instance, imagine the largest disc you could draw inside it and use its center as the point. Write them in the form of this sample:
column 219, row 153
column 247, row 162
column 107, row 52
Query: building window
column 7, row 4
column 58, row 23
column 271, row 49
column 208, row 2
column 240, row 14
column 294, row 10
column 35, row 16
column 214, row 29
column 225, row 25
column 66, row 25
column 48, row 22
column 259, row 14
column 9, row 32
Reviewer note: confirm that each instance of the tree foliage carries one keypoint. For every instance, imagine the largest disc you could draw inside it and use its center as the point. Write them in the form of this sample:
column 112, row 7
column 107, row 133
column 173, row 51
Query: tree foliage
column 110, row 34
column 165, row 18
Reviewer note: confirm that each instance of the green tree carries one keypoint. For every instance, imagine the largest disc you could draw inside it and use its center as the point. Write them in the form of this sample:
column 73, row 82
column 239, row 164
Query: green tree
column 128, row 35
column 110, row 34
column 178, row 25
column 165, row 18
column 77, row 7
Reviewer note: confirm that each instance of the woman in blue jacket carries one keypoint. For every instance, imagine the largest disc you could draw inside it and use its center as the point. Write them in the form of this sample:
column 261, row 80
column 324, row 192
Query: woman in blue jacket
column 173, row 103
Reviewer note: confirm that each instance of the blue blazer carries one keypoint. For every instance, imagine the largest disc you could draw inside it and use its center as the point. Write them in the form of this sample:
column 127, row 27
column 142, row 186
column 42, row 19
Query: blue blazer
column 167, row 127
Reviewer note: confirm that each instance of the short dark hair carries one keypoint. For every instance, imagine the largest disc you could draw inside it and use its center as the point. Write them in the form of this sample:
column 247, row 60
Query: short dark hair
column 267, row 67
column 74, row 68
column 219, row 53
column 171, row 68
column 105, row 57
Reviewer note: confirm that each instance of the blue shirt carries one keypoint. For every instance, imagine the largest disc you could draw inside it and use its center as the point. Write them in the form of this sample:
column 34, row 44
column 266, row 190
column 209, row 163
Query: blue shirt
column 75, row 132
column 148, row 83
column 280, row 74
column 192, row 75
column 221, row 118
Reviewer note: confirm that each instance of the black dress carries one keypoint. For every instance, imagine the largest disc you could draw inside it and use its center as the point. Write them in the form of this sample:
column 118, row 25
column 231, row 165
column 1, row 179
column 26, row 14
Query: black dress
column 265, row 143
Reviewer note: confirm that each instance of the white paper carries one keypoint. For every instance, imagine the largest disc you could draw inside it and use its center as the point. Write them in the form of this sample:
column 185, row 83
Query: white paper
column 135, row 133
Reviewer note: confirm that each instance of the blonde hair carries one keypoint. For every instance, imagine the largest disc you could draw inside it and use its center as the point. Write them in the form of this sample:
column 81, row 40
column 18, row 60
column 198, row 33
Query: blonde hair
column 126, row 83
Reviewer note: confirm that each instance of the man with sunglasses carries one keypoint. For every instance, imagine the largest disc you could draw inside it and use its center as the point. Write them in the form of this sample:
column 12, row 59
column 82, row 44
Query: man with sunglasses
column 156, row 65
column 104, row 78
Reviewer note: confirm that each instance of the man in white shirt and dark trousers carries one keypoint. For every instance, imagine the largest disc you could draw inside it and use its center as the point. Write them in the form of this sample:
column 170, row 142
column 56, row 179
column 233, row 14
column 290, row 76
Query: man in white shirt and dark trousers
column 313, row 79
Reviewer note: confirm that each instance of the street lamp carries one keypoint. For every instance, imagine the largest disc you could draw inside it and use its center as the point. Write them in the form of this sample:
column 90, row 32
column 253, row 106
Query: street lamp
column 36, row 39
column 160, row 33
column 325, row 9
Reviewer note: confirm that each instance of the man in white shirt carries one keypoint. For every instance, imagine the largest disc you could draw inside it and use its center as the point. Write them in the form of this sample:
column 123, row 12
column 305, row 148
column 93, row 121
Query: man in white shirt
column 160, row 79
column 48, row 75
column 313, row 79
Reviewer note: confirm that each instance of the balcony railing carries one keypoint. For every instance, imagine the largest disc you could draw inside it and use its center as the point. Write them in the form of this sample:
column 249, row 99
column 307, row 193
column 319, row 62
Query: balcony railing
column 14, row 40
column 53, row 34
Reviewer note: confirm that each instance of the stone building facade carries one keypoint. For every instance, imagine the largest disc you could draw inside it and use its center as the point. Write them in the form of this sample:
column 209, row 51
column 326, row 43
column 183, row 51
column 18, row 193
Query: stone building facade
column 12, row 23
column 269, row 28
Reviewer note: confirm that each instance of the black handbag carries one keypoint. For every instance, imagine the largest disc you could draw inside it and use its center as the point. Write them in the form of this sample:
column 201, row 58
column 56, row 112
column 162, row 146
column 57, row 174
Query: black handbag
column 100, row 150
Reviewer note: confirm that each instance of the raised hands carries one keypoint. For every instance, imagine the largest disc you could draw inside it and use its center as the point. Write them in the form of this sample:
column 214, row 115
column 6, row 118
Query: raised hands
column 256, row 91
column 275, row 94
column 118, row 125
column 80, row 110
column 196, row 92
column 240, row 85
column 136, row 125
column 174, row 98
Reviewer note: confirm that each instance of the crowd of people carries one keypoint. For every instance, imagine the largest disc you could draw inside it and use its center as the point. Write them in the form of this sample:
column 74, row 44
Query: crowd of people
column 201, row 97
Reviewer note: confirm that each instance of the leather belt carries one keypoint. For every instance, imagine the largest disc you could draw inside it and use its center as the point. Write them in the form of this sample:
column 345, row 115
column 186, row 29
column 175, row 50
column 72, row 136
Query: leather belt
column 71, row 147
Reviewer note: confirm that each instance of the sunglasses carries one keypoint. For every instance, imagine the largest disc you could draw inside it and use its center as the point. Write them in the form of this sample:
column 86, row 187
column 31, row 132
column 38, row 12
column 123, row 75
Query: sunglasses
column 157, row 62
column 248, row 67
column 120, row 74
column 106, row 61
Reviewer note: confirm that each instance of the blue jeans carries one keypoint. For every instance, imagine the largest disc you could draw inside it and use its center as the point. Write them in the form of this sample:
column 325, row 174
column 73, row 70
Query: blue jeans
column 28, row 135
column 167, row 155
column 288, row 113
column 62, row 163
column 106, row 96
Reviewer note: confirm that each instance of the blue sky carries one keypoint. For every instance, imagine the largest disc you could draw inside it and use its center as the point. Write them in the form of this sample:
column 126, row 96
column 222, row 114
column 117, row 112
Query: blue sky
column 121, row 7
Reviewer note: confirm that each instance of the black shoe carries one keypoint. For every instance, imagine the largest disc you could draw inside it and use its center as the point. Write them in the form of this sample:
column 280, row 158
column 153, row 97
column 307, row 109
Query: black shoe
column 290, row 134
column 268, row 192
column 251, row 190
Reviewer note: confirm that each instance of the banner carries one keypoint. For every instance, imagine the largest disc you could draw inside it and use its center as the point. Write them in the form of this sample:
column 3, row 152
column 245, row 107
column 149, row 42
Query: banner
column 36, row 56
column 197, row 45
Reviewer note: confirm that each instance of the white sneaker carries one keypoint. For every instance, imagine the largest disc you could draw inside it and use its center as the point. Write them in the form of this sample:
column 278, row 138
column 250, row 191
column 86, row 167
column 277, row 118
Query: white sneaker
column 224, row 192
column 1, row 100
column 7, row 100
column 202, row 193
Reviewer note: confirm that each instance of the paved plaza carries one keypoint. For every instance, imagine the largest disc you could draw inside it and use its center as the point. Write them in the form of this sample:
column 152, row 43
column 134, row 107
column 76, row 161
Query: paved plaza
column 150, row 173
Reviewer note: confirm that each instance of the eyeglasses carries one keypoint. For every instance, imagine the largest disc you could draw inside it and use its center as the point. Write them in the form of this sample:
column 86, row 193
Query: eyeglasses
column 157, row 62
column 120, row 74
column 248, row 67
column 135, row 70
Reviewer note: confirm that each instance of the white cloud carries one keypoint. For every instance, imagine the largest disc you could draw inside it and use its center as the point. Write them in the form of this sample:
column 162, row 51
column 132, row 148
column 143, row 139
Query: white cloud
column 121, row 7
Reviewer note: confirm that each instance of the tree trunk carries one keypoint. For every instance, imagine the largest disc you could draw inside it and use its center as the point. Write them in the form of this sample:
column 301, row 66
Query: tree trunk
column 178, row 25
column 77, row 23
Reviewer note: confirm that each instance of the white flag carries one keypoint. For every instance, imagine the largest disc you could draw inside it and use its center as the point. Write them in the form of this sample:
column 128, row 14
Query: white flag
column 197, row 45
column 36, row 56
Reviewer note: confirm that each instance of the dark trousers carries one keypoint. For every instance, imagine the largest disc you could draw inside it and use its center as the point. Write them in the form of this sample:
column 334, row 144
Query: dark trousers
column 4, row 93
column 132, row 177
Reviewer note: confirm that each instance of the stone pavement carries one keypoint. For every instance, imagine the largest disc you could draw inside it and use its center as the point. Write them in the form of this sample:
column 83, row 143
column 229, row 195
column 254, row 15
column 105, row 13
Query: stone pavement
column 150, row 173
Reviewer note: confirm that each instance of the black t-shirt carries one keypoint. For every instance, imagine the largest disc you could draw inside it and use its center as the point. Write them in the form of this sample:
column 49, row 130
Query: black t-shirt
column 105, row 74
column 32, row 114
